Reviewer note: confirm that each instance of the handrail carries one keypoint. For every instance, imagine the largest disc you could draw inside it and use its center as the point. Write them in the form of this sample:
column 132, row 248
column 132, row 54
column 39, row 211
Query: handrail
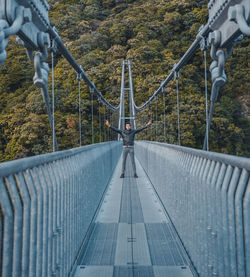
column 47, row 203
column 14, row 166
column 207, row 196
column 241, row 162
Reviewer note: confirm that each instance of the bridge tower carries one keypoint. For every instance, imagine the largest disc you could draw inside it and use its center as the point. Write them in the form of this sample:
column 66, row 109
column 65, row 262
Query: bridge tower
column 122, row 117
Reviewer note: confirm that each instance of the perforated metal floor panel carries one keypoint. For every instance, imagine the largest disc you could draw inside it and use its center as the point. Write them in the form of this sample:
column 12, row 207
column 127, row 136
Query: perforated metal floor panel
column 138, row 271
column 133, row 237
column 101, row 247
column 164, row 249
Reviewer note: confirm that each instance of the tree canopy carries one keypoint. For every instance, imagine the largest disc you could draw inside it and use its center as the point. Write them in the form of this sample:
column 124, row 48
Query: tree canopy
column 153, row 34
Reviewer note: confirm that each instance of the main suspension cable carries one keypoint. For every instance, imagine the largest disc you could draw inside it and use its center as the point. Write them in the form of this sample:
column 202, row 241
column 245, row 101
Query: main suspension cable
column 204, row 31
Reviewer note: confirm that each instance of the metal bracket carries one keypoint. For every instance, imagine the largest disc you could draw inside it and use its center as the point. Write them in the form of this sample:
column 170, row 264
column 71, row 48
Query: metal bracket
column 53, row 44
column 204, row 45
column 92, row 91
column 176, row 75
column 239, row 15
column 22, row 16
column 79, row 75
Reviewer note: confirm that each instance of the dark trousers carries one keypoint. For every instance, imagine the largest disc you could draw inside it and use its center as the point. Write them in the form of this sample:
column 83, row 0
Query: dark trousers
column 128, row 150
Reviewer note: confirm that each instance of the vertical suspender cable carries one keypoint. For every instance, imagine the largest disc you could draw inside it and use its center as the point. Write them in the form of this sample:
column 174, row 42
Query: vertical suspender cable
column 156, row 118
column 151, row 129
column 204, row 47
column 109, row 119
column 207, row 127
column 164, row 113
column 53, row 101
column 79, row 109
column 100, row 128
column 178, row 107
column 92, row 114
column 104, row 117
column 110, row 116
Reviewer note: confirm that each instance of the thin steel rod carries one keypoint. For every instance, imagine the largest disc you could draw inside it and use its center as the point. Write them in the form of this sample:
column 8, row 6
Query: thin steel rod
column 151, row 126
column 164, row 114
column 156, row 118
column 100, row 128
column 104, row 118
column 178, row 109
column 207, row 127
column 53, row 101
column 92, row 116
column 80, row 113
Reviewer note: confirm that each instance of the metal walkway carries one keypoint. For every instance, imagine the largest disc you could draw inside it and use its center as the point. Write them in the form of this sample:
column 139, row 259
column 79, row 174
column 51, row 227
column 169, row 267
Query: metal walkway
column 132, row 235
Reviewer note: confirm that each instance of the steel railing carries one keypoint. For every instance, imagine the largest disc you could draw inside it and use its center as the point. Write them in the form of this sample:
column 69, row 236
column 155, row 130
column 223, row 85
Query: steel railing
column 47, row 203
column 207, row 196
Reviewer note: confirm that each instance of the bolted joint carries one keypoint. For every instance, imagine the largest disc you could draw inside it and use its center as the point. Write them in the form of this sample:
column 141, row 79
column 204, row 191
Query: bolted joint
column 213, row 234
column 79, row 75
column 214, row 38
column 41, row 71
column 43, row 41
column 204, row 44
column 27, row 15
column 210, row 267
column 92, row 90
column 176, row 75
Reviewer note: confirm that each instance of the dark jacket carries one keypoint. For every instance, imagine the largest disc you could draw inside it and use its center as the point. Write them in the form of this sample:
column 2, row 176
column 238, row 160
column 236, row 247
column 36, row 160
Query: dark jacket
column 128, row 136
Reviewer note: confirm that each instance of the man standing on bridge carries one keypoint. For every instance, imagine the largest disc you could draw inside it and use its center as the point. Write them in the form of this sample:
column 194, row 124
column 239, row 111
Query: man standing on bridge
column 128, row 136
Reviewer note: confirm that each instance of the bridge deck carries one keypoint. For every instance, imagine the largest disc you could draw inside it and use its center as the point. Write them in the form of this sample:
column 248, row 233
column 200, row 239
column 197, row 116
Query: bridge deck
column 132, row 235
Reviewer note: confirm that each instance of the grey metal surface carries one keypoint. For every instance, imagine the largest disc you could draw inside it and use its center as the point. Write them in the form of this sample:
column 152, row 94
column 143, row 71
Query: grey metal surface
column 151, row 207
column 206, row 197
column 47, row 204
column 172, row 271
column 229, row 18
column 164, row 249
column 136, row 271
column 101, row 246
column 141, row 254
column 132, row 247
column 131, row 210
column 110, row 210
column 123, row 254
column 94, row 271
column 123, row 271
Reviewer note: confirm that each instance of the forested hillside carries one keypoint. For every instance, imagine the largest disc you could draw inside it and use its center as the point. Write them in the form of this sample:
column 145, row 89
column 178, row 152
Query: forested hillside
column 153, row 34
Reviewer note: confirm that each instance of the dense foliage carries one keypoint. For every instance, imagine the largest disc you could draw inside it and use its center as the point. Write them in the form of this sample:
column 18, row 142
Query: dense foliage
column 153, row 34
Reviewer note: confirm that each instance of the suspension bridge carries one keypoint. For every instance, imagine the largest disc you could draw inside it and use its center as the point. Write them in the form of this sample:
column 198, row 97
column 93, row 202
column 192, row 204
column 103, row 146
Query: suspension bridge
column 67, row 213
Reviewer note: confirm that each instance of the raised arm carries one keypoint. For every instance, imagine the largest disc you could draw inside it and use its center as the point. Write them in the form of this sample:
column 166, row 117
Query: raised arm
column 113, row 128
column 144, row 127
